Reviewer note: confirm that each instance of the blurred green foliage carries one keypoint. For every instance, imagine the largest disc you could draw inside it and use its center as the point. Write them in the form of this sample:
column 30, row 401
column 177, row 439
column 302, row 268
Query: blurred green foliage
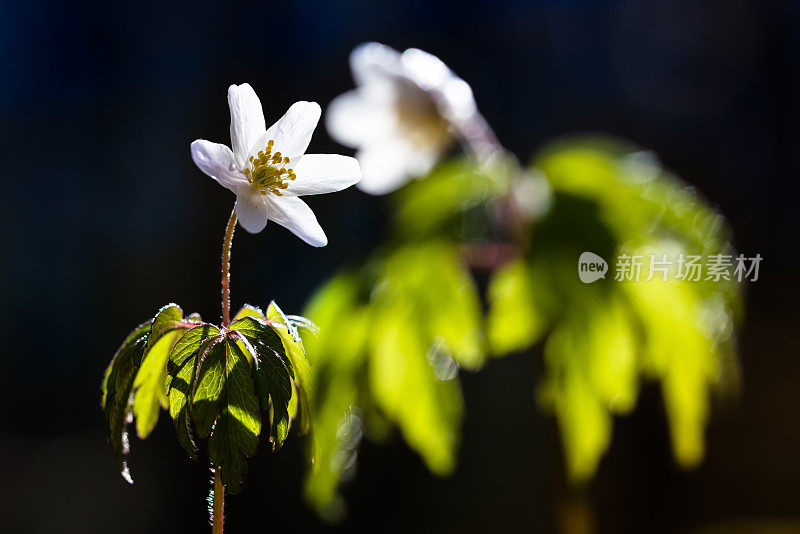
column 389, row 348
column 394, row 332
column 611, row 198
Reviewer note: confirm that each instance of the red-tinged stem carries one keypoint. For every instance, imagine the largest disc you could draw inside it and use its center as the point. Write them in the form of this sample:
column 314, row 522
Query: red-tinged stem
column 219, row 488
column 226, row 268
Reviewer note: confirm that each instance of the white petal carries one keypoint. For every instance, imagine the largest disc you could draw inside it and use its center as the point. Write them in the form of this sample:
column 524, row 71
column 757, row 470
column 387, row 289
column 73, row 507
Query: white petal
column 426, row 70
column 452, row 94
column 216, row 160
column 247, row 120
column 357, row 117
column 387, row 166
column 323, row 173
column 292, row 133
column 457, row 100
column 295, row 215
column 373, row 62
column 251, row 208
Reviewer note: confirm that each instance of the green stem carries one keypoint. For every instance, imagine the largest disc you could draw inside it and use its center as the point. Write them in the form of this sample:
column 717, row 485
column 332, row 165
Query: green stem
column 218, row 516
column 219, row 503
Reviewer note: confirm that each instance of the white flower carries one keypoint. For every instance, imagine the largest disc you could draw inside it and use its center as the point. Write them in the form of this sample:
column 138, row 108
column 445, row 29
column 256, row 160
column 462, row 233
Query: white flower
column 268, row 169
column 402, row 115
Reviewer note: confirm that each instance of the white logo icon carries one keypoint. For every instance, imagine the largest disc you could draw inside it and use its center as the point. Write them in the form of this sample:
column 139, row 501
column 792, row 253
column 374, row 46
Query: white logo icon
column 591, row 267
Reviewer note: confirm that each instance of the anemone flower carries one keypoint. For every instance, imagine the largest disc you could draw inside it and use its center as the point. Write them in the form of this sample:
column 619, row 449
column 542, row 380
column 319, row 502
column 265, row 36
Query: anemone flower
column 404, row 113
column 268, row 169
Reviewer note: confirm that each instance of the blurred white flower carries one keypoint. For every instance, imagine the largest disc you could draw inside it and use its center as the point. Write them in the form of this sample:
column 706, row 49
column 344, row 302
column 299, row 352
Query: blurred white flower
column 402, row 115
column 268, row 169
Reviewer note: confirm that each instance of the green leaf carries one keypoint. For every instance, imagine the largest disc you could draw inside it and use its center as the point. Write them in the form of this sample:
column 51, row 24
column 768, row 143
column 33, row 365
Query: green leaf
column 682, row 349
column 181, row 370
column 119, row 384
column 149, row 392
column 295, row 352
column 272, row 380
column 141, row 330
column 275, row 315
column 431, row 280
column 209, row 385
column 249, row 310
column 259, row 331
column 406, row 386
column 592, row 373
column 134, row 383
column 513, row 322
column 235, row 434
column 168, row 319
column 272, row 374
column 185, row 350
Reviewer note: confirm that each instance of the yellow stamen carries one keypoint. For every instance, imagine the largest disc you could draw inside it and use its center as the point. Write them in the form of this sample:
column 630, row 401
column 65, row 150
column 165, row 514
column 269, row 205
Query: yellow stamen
column 269, row 172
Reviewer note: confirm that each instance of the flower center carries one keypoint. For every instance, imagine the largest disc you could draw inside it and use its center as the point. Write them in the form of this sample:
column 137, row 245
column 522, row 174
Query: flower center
column 420, row 120
column 269, row 173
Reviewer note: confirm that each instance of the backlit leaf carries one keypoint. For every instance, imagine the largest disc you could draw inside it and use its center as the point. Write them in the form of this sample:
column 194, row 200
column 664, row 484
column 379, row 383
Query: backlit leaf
column 295, row 352
column 235, row 434
column 149, row 388
column 168, row 318
column 210, row 384
column 119, row 385
column 272, row 374
column 141, row 330
column 181, row 369
column 249, row 311
column 514, row 322
column 150, row 393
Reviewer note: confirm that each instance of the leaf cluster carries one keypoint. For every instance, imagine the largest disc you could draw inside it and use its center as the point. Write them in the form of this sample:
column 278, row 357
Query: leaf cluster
column 600, row 339
column 225, row 385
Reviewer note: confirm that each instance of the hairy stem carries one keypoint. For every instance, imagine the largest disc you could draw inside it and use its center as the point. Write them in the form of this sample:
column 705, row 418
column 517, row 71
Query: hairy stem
column 226, row 268
column 218, row 512
column 219, row 503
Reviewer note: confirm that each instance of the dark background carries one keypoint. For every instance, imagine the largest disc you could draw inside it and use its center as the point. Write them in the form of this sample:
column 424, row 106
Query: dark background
column 104, row 218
